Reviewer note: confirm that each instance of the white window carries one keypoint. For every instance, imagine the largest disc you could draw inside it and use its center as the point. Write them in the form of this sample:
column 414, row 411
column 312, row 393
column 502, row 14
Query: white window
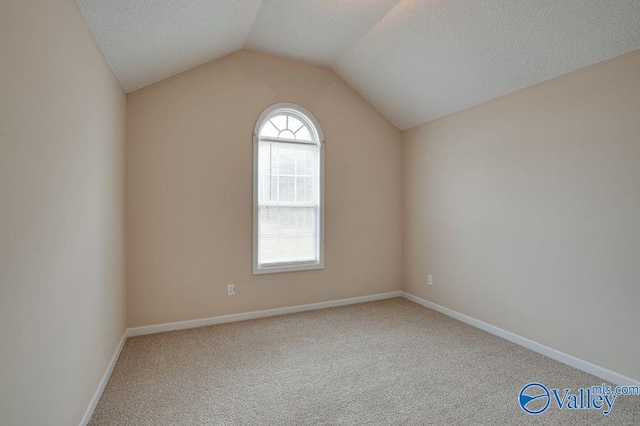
column 288, row 193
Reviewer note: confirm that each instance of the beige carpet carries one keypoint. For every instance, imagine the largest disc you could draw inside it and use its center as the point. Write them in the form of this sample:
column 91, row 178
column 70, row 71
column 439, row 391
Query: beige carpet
column 388, row 362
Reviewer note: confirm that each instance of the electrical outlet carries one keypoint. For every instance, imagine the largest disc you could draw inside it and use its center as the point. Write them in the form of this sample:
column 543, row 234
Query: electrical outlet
column 231, row 290
column 430, row 279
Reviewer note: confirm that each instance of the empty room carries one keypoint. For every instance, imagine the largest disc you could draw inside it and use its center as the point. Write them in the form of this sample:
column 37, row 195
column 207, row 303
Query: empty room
column 319, row 212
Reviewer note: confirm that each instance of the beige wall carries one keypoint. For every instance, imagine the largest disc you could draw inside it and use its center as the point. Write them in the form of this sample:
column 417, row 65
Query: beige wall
column 526, row 210
column 62, row 297
column 189, row 191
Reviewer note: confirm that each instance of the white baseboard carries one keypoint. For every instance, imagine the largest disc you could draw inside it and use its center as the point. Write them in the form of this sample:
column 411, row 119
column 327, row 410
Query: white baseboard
column 580, row 364
column 181, row 325
column 103, row 382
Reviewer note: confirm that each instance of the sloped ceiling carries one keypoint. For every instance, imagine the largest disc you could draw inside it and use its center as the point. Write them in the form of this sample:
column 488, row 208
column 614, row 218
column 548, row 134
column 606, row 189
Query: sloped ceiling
column 414, row 60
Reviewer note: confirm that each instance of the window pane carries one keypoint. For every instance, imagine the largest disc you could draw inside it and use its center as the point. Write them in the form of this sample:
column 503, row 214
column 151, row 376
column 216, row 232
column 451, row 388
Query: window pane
column 303, row 134
column 286, row 172
column 269, row 130
column 273, row 188
column 294, row 124
column 304, row 189
column 286, row 160
column 264, row 173
column 280, row 122
column 287, row 134
column 304, row 162
column 286, row 188
column 287, row 234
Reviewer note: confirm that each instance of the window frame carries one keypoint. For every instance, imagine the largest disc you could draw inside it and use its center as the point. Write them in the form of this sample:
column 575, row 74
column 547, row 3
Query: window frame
column 266, row 115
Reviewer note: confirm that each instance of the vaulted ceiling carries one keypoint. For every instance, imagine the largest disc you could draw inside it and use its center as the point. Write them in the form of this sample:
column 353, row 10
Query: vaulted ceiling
column 414, row 60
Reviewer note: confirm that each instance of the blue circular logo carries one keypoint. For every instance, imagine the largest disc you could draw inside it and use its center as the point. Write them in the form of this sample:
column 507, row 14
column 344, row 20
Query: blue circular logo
column 533, row 396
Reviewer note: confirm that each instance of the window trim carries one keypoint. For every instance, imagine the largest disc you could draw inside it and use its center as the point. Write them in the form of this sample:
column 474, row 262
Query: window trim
column 292, row 266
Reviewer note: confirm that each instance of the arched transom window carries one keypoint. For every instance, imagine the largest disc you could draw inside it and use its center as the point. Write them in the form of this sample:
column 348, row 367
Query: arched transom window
column 288, row 191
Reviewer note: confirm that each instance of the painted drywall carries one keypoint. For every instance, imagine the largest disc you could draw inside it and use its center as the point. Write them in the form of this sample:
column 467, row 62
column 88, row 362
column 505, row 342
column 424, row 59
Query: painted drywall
column 526, row 210
column 62, row 295
column 189, row 191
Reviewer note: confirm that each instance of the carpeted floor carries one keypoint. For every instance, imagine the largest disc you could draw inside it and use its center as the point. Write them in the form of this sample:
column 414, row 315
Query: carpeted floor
column 388, row 362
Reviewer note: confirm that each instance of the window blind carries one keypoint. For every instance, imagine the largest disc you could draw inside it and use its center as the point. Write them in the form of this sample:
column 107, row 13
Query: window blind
column 288, row 203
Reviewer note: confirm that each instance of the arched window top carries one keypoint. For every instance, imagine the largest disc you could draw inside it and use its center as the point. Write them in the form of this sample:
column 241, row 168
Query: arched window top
column 288, row 122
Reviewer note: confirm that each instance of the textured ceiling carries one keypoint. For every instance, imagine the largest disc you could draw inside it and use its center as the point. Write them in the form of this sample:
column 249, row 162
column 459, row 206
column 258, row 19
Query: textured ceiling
column 318, row 32
column 414, row 60
column 145, row 41
column 426, row 59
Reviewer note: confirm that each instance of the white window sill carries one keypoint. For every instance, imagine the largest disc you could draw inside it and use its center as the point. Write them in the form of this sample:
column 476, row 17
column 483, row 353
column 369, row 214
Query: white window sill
column 286, row 268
